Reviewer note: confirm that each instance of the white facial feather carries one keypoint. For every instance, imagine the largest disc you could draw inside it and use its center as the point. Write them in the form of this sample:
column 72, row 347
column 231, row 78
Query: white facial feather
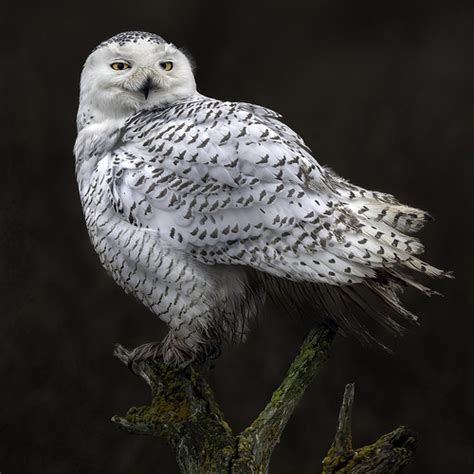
column 108, row 94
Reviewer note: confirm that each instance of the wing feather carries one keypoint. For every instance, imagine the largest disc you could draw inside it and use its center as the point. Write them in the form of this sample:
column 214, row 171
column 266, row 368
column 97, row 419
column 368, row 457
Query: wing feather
column 229, row 183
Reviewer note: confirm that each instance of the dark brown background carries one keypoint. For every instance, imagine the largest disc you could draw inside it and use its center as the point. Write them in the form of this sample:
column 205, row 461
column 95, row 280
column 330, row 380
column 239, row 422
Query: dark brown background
column 382, row 91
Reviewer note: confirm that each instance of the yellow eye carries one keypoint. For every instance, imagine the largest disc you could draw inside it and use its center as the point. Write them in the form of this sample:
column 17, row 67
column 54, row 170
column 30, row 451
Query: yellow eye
column 119, row 66
column 167, row 65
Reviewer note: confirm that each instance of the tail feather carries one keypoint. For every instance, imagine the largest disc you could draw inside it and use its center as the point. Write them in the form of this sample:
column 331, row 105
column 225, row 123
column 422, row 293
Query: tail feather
column 378, row 207
column 372, row 261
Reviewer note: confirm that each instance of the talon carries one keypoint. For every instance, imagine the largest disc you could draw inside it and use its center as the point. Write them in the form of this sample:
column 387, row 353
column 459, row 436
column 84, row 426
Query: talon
column 145, row 352
column 130, row 366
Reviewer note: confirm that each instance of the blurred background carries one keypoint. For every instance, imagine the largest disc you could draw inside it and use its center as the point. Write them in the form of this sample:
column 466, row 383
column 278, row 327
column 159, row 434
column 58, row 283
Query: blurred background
column 381, row 91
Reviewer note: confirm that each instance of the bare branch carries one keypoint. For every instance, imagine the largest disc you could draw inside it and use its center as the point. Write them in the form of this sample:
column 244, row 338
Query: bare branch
column 343, row 440
column 389, row 454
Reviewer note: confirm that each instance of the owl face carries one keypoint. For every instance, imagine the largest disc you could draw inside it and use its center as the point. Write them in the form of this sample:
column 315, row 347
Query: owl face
column 120, row 78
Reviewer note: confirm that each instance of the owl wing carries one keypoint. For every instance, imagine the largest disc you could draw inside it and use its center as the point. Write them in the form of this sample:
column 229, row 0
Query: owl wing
column 229, row 183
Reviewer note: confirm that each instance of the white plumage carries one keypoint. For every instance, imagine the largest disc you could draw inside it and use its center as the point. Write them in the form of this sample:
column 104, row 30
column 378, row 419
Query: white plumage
column 200, row 208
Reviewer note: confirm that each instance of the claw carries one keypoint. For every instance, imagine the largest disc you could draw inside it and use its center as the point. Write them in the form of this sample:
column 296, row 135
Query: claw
column 145, row 352
column 130, row 366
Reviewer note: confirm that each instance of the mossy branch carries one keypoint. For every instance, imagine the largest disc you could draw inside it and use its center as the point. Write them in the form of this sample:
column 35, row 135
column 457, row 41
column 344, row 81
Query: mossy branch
column 184, row 413
column 389, row 454
column 264, row 433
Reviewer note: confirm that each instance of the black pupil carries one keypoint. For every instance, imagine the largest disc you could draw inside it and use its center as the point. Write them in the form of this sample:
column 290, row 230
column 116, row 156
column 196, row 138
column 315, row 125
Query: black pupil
column 120, row 65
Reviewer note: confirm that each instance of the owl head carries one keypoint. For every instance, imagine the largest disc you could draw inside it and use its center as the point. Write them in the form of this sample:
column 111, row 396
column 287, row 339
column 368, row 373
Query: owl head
column 132, row 71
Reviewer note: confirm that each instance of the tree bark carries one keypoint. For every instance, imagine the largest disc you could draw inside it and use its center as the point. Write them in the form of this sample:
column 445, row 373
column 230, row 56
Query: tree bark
column 184, row 413
column 389, row 454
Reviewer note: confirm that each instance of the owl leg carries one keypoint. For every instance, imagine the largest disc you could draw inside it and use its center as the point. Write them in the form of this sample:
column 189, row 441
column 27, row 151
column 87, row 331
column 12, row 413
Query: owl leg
column 150, row 351
column 190, row 344
column 174, row 351
column 199, row 337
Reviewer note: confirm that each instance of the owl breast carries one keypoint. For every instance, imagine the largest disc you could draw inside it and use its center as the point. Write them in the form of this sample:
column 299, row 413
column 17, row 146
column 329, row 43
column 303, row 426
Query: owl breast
column 164, row 280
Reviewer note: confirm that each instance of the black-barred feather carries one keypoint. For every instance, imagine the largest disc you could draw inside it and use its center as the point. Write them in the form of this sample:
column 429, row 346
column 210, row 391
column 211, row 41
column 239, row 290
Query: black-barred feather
column 200, row 207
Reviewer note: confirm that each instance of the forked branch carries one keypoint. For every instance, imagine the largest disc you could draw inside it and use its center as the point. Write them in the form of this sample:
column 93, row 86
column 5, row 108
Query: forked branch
column 184, row 413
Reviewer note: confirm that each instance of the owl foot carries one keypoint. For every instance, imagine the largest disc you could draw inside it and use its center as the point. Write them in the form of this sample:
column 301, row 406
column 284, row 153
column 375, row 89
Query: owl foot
column 149, row 352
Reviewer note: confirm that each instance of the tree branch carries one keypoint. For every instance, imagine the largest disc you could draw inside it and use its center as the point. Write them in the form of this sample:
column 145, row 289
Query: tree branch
column 264, row 433
column 389, row 454
column 183, row 412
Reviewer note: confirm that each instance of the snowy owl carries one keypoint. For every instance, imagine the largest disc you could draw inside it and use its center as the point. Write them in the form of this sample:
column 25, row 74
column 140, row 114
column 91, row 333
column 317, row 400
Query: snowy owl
column 202, row 208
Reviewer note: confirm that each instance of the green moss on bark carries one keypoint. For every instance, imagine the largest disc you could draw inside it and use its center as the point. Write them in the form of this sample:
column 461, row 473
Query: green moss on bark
column 183, row 411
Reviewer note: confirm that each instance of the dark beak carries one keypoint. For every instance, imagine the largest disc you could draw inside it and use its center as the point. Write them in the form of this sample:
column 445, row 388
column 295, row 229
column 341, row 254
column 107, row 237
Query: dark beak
column 145, row 89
